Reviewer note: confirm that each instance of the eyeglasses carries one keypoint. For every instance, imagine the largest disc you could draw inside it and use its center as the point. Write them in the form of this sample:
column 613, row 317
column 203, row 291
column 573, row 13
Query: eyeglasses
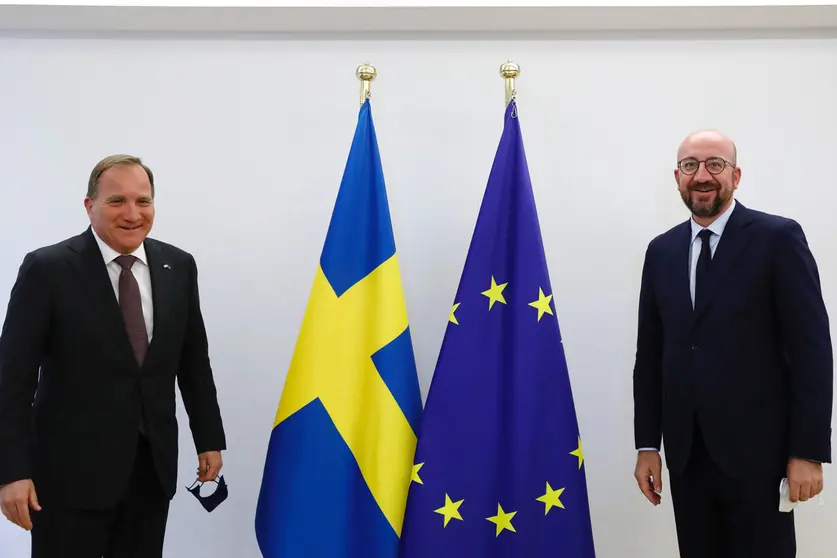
column 714, row 165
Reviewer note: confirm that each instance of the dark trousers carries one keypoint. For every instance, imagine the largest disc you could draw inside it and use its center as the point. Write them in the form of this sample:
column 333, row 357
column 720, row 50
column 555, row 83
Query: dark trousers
column 718, row 516
column 134, row 529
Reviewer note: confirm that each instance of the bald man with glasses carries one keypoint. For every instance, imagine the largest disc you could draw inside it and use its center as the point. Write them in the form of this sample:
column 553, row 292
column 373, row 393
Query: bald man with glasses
column 734, row 365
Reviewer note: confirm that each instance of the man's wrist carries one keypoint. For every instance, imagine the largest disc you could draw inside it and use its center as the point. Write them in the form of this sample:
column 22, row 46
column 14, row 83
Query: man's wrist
column 806, row 459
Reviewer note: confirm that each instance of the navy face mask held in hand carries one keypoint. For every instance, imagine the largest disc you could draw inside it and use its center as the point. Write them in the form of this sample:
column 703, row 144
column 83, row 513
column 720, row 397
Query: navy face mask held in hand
column 213, row 500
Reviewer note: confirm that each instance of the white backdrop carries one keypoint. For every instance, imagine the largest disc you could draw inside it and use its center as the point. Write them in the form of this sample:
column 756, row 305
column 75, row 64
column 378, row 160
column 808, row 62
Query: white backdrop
column 248, row 139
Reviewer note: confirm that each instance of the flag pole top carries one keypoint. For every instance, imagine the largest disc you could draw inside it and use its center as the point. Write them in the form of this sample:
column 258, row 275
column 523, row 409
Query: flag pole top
column 365, row 73
column 509, row 71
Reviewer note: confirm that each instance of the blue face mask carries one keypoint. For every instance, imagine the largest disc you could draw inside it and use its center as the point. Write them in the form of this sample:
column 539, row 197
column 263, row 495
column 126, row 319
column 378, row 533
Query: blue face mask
column 213, row 500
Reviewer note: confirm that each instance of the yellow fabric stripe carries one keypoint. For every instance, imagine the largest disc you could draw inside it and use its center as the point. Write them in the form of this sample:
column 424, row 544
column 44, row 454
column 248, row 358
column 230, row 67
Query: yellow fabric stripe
column 333, row 361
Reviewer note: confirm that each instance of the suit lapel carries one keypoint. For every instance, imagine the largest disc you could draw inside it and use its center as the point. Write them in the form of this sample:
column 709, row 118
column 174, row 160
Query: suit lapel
column 161, row 289
column 93, row 273
column 732, row 242
column 680, row 259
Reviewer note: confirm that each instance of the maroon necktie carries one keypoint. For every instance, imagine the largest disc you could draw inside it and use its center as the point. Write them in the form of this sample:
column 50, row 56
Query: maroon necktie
column 131, row 305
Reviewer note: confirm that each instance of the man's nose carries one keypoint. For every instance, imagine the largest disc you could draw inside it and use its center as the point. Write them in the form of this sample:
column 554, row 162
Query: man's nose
column 703, row 175
column 132, row 213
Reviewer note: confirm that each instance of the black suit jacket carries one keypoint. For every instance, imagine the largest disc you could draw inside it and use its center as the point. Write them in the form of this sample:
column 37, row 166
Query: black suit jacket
column 73, row 428
column 753, row 364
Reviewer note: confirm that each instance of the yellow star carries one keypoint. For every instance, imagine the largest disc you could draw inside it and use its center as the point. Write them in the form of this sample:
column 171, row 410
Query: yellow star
column 542, row 304
column 495, row 293
column 415, row 476
column 453, row 313
column 551, row 498
column 578, row 452
column 502, row 520
column 450, row 510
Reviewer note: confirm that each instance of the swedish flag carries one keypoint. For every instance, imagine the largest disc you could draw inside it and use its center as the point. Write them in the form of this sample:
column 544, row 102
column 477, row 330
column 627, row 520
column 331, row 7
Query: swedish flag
column 339, row 459
column 499, row 464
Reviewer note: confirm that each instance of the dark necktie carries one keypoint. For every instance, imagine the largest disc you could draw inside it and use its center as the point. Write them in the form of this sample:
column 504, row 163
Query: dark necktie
column 702, row 270
column 131, row 305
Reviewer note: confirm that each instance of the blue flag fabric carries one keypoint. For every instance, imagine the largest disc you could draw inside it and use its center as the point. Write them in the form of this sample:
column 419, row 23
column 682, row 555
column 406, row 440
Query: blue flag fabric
column 499, row 470
column 340, row 453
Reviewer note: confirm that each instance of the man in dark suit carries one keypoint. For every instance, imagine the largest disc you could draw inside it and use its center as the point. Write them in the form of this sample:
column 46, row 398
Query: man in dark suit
column 734, row 365
column 97, row 329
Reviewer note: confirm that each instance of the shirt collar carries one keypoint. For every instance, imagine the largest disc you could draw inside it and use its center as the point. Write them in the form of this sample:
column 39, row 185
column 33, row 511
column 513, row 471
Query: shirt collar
column 109, row 254
column 717, row 226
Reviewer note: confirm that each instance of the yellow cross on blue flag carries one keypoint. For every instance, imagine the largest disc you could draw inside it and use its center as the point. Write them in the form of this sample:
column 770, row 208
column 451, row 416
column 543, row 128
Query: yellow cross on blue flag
column 339, row 458
column 499, row 469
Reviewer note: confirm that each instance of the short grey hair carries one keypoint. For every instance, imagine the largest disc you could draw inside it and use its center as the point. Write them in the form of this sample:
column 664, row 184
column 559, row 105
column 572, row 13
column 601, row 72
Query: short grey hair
column 109, row 162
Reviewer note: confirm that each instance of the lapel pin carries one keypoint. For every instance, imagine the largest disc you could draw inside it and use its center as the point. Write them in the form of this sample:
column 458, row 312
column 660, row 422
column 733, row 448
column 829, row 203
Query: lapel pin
column 166, row 266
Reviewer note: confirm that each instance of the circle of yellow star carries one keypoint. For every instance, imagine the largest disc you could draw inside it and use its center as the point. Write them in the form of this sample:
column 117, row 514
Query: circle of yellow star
column 415, row 476
column 452, row 318
column 579, row 453
column 551, row 498
column 502, row 520
column 450, row 510
column 542, row 304
column 495, row 293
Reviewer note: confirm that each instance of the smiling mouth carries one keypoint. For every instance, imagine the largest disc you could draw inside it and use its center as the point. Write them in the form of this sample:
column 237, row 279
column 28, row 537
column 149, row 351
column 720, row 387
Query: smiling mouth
column 130, row 228
column 705, row 190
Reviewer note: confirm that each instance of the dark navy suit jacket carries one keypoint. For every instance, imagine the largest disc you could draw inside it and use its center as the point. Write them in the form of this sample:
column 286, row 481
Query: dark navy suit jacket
column 752, row 363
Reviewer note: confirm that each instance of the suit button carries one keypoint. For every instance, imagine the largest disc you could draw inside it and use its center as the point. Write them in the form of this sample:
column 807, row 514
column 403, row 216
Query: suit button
column 694, row 347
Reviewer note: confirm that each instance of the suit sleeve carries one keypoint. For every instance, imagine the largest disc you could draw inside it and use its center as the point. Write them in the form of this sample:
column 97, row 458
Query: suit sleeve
column 804, row 329
column 197, row 386
column 648, row 365
column 22, row 343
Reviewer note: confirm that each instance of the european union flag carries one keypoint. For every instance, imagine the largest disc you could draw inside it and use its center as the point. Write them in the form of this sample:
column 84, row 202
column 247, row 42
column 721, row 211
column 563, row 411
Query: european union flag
column 499, row 468
column 341, row 450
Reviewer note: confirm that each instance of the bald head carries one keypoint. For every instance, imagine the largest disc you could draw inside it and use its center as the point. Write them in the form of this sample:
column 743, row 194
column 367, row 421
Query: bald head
column 708, row 140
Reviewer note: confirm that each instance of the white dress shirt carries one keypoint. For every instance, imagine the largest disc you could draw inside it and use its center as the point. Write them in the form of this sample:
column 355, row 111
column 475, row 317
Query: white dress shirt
column 717, row 228
column 141, row 272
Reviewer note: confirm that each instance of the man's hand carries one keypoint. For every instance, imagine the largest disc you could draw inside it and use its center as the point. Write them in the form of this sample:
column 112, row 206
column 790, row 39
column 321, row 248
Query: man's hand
column 804, row 479
column 648, row 475
column 209, row 465
column 15, row 500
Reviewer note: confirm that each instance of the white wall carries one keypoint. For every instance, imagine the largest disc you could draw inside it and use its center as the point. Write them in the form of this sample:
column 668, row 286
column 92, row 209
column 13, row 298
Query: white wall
column 248, row 139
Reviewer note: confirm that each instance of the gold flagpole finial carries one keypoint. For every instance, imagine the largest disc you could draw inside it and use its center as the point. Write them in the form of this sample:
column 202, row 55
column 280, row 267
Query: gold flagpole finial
column 509, row 71
column 366, row 73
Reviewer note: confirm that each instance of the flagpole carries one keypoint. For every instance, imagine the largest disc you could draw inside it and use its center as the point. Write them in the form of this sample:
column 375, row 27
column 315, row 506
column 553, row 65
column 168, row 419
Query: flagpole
column 509, row 71
column 366, row 73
